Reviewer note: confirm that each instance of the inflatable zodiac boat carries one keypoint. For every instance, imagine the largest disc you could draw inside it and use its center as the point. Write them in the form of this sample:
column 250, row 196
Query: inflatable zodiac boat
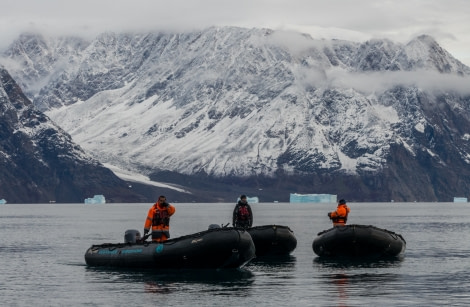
column 358, row 241
column 211, row 249
column 273, row 240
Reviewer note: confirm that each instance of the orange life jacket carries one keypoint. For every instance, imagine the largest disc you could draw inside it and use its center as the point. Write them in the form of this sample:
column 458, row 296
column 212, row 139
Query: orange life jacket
column 340, row 216
column 158, row 218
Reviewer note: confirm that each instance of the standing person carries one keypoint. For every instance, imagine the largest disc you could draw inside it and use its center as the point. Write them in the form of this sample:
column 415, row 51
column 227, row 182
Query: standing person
column 158, row 218
column 340, row 216
column 242, row 214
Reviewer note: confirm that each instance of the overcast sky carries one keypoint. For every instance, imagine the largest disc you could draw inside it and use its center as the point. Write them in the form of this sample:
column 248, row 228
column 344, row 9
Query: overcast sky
column 448, row 21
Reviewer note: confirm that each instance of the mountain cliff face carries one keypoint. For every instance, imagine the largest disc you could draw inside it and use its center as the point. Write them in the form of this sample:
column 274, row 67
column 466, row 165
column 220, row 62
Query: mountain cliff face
column 39, row 161
column 260, row 112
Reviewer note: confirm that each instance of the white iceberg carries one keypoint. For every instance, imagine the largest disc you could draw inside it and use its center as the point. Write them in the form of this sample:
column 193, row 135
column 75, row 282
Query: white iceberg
column 312, row 198
column 97, row 199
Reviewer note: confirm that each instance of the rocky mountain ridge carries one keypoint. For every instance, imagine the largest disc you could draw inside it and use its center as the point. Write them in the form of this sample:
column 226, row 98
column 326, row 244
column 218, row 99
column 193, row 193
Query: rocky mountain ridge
column 263, row 111
column 40, row 163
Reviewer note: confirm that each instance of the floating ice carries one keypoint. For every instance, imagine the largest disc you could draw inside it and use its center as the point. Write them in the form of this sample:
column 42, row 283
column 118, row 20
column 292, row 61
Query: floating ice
column 97, row 199
column 312, row 198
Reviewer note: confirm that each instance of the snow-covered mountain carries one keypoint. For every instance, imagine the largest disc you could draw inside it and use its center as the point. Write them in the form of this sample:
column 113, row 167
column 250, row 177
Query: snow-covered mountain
column 39, row 161
column 272, row 110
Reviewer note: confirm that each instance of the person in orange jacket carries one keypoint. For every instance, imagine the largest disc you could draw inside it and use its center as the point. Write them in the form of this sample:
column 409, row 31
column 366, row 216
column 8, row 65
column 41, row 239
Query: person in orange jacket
column 340, row 216
column 158, row 218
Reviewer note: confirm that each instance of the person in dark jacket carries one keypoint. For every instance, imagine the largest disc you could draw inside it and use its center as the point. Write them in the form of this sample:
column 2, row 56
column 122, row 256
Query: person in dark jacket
column 242, row 214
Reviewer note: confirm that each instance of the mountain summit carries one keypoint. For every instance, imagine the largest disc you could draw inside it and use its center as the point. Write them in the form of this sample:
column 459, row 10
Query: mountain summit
column 260, row 111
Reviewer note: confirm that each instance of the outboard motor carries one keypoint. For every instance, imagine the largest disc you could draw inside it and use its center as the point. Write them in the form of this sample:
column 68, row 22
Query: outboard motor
column 131, row 236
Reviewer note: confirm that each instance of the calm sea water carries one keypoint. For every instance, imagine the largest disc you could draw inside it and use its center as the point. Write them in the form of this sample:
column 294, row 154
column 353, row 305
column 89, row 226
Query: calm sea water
column 42, row 258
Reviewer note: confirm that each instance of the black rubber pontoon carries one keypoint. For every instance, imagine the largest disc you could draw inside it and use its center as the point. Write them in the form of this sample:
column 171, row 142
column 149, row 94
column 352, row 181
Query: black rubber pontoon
column 273, row 240
column 358, row 241
column 214, row 248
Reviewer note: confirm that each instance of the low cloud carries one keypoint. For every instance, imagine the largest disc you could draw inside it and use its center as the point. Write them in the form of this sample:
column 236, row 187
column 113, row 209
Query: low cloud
column 377, row 82
column 356, row 20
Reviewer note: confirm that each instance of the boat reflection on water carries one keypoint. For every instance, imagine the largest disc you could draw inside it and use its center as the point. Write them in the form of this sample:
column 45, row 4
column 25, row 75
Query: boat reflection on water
column 276, row 269
column 345, row 278
column 277, row 263
column 175, row 280
column 341, row 282
column 217, row 280
column 347, row 262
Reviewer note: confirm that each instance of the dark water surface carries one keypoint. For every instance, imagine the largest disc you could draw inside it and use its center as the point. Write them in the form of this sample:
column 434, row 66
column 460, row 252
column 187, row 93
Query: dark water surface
column 42, row 258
